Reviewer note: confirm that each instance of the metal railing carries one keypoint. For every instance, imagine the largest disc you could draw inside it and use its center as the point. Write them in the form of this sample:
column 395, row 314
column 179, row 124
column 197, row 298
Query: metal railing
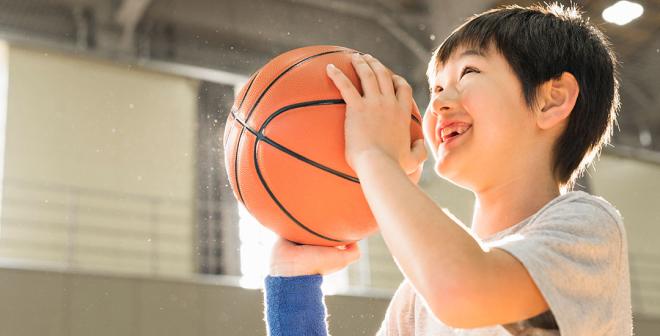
column 75, row 226
column 645, row 283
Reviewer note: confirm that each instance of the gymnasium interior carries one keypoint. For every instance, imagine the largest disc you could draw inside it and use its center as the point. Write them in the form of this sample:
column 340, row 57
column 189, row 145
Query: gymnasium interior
column 116, row 214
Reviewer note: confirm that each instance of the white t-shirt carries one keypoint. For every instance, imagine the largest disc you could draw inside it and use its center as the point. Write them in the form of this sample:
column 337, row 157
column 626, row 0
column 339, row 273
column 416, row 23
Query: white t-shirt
column 575, row 250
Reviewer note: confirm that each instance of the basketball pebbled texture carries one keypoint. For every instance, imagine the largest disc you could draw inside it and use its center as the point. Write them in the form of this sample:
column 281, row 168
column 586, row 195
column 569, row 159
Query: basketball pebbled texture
column 284, row 150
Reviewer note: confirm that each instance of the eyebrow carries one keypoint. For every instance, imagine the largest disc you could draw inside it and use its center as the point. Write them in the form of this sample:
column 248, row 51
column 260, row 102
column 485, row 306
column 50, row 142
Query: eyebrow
column 472, row 52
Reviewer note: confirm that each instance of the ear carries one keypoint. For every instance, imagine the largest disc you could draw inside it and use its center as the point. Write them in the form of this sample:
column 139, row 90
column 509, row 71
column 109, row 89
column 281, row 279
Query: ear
column 556, row 100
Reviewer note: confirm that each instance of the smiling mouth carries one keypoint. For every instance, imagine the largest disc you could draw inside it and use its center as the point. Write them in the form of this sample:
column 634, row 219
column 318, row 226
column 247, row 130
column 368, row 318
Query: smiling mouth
column 449, row 135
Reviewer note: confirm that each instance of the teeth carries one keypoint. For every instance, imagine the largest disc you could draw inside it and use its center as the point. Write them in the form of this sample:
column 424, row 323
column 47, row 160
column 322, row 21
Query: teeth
column 458, row 128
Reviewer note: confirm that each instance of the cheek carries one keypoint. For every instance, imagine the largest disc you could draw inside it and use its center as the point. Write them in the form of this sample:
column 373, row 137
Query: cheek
column 478, row 100
column 498, row 115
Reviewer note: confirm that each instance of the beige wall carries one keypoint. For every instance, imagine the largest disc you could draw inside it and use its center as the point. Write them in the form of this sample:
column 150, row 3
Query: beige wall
column 634, row 188
column 95, row 124
column 82, row 137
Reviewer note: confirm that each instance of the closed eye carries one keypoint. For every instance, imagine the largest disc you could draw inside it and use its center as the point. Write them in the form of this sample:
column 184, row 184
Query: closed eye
column 466, row 70
column 469, row 69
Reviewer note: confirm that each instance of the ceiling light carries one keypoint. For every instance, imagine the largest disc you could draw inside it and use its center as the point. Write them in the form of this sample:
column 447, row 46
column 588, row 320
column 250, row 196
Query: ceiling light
column 623, row 12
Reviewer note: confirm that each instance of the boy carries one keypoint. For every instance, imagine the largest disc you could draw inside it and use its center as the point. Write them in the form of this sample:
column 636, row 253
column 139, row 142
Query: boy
column 522, row 99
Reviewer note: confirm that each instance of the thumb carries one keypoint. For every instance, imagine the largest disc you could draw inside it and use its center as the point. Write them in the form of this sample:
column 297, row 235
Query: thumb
column 336, row 258
column 416, row 157
column 352, row 252
column 418, row 151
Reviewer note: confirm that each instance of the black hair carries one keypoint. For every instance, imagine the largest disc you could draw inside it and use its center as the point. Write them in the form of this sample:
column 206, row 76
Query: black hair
column 540, row 43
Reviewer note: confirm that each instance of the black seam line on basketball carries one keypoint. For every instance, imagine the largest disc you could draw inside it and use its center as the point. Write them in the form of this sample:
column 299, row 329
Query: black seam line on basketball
column 286, row 150
column 238, row 144
column 248, row 89
column 287, row 70
column 238, row 186
column 270, row 118
column 299, row 105
column 271, row 142
column 272, row 196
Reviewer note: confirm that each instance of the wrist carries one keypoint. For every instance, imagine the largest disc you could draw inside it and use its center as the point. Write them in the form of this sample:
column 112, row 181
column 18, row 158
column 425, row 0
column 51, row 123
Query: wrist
column 287, row 270
column 362, row 161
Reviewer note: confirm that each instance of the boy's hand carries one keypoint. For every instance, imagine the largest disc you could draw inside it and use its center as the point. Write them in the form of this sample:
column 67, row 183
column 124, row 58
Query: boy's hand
column 290, row 259
column 378, row 122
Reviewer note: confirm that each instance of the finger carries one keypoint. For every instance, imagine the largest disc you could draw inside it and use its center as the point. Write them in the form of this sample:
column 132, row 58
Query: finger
column 343, row 84
column 419, row 152
column 331, row 259
column 351, row 253
column 366, row 75
column 416, row 175
column 350, row 246
column 383, row 75
column 404, row 94
column 415, row 158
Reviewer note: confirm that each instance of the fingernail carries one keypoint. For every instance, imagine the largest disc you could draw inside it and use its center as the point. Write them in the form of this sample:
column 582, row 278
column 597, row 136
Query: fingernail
column 331, row 67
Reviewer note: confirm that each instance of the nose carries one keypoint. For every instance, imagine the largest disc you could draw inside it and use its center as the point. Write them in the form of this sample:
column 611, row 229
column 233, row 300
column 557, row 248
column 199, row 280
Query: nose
column 444, row 101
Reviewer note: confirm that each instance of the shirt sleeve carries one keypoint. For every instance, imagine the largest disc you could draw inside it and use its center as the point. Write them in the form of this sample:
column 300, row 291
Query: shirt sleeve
column 295, row 306
column 400, row 314
column 573, row 252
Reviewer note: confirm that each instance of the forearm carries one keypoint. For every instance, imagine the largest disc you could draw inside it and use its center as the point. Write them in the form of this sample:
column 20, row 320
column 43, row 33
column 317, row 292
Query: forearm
column 435, row 252
column 294, row 306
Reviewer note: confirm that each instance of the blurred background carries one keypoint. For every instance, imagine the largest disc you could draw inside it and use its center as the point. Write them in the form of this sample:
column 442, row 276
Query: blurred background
column 116, row 214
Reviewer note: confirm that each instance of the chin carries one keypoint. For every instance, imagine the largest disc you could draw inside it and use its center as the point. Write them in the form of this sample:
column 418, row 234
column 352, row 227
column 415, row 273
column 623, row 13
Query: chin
column 451, row 173
column 445, row 170
column 447, row 164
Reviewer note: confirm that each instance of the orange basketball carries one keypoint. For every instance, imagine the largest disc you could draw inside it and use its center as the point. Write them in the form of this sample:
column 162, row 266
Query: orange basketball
column 284, row 150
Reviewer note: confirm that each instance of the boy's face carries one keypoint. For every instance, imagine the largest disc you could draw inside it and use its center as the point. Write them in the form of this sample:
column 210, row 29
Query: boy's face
column 480, row 97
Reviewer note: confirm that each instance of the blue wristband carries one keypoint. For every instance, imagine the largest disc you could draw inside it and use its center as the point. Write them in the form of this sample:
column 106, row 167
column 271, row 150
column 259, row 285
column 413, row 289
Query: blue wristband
column 294, row 306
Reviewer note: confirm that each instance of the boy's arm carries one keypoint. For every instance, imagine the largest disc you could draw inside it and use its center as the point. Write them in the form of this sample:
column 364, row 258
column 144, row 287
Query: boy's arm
column 294, row 306
column 462, row 284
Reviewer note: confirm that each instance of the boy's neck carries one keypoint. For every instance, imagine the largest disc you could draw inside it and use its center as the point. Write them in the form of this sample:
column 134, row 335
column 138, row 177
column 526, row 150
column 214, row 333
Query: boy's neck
column 509, row 203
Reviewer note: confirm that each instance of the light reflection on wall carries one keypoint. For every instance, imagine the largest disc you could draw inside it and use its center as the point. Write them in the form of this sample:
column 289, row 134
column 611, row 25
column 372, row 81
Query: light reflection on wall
column 4, row 82
column 256, row 244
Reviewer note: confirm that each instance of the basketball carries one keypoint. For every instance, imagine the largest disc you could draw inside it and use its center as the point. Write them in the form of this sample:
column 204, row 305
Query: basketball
column 284, row 150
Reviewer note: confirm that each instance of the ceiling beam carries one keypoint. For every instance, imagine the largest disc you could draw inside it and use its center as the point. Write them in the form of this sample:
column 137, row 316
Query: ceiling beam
column 375, row 14
column 128, row 15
